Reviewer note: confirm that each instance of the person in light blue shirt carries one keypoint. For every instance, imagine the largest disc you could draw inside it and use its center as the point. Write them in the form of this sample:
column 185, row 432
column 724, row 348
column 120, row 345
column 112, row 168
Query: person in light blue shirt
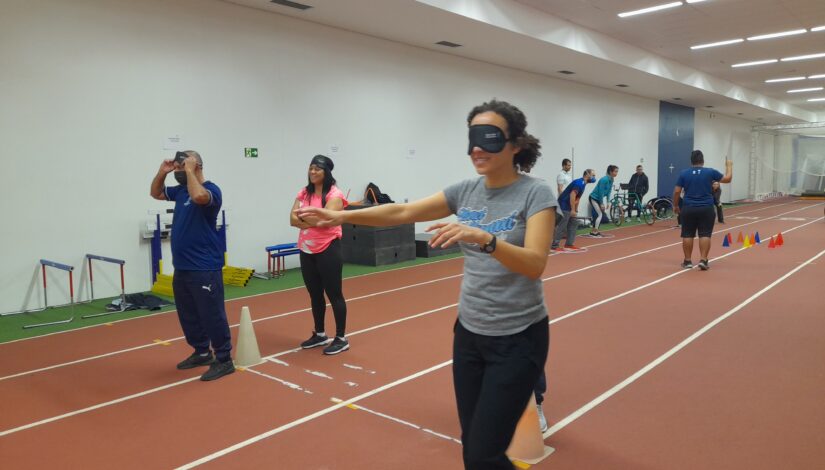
column 599, row 195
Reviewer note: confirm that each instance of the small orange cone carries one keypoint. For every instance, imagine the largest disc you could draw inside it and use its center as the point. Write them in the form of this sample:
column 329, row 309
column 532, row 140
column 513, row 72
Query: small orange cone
column 772, row 244
column 779, row 240
column 752, row 240
column 739, row 238
column 527, row 444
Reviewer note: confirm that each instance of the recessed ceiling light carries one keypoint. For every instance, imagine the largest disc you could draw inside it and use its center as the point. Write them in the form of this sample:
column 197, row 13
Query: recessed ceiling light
column 822, row 75
column 758, row 62
column 803, row 90
column 650, row 9
column 777, row 35
column 788, row 79
column 818, row 28
column 567, row 72
column 817, row 99
column 804, row 57
column 720, row 43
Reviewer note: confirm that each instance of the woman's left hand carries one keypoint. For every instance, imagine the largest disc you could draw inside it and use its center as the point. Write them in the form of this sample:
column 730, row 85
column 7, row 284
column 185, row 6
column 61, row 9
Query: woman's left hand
column 447, row 234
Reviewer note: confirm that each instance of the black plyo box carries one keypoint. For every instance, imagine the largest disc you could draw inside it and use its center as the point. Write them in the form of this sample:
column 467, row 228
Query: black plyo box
column 424, row 250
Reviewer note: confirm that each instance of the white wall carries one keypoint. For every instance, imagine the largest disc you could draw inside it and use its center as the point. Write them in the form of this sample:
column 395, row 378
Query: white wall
column 89, row 88
column 719, row 138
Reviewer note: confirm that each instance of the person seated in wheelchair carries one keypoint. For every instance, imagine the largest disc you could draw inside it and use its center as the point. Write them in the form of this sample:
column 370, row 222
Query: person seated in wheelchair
column 636, row 188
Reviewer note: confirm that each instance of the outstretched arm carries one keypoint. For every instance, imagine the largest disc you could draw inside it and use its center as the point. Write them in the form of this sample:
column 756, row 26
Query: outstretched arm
column 430, row 208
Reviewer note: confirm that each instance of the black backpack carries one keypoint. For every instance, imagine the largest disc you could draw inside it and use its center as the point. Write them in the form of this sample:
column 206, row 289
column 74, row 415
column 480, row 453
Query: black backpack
column 374, row 195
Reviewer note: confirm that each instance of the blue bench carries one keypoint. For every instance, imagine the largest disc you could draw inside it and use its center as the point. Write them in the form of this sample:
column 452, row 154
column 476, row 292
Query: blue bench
column 278, row 253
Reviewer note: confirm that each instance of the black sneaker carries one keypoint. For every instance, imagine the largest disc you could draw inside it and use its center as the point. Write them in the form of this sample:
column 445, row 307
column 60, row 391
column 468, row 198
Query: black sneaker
column 703, row 265
column 217, row 370
column 687, row 264
column 314, row 341
column 196, row 360
column 338, row 345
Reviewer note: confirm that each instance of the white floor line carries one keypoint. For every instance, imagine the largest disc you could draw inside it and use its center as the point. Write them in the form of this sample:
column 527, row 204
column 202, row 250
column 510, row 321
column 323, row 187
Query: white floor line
column 350, row 277
column 311, row 417
column 644, row 370
column 95, row 407
column 400, row 421
column 66, row 415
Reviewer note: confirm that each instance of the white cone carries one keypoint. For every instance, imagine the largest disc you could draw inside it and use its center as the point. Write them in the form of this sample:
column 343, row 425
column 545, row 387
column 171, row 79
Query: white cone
column 528, row 443
column 247, row 352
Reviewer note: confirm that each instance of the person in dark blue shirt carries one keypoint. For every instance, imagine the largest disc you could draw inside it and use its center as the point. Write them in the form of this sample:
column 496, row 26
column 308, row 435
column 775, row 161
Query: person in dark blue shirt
column 198, row 260
column 697, row 208
column 569, row 204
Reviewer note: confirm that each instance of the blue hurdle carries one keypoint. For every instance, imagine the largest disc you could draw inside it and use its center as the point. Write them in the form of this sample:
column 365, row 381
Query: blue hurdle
column 278, row 253
column 89, row 258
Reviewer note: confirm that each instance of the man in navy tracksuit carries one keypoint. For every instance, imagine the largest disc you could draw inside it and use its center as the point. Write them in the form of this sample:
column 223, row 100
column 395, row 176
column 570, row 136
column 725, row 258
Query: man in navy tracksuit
column 198, row 260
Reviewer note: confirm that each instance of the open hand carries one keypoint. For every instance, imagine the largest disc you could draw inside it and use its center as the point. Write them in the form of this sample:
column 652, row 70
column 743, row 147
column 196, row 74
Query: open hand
column 320, row 217
column 448, row 234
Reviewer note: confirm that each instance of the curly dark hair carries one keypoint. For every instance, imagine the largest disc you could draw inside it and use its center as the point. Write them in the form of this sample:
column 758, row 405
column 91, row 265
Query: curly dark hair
column 516, row 125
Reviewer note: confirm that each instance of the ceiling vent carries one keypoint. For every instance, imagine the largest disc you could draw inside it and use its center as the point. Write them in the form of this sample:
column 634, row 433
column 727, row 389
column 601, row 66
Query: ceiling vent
column 567, row 72
column 448, row 44
column 287, row 3
column 677, row 99
column 622, row 85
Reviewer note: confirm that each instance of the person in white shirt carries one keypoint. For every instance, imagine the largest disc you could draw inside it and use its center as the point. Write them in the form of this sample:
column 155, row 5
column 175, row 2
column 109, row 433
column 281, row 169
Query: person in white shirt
column 564, row 177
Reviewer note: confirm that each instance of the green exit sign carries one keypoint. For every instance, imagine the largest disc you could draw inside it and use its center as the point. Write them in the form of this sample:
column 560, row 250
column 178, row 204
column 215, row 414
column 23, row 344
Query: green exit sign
column 250, row 152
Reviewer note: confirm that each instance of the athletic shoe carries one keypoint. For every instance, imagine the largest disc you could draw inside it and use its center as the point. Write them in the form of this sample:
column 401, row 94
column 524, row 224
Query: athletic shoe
column 572, row 248
column 687, row 264
column 596, row 234
column 638, row 220
column 338, row 345
column 542, row 420
column 316, row 340
column 703, row 265
column 556, row 249
column 218, row 369
column 196, row 360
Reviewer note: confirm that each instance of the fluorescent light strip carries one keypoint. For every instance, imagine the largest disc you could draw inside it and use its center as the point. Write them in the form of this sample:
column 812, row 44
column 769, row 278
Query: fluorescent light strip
column 789, row 79
column 822, row 75
column 650, row 9
column 720, row 43
column 818, row 28
column 758, row 62
column 804, row 57
column 777, row 35
column 804, row 90
column 695, row 1
column 817, row 99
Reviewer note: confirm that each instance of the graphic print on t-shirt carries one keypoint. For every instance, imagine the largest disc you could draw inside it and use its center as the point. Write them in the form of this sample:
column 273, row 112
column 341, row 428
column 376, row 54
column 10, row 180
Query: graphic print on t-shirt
column 475, row 218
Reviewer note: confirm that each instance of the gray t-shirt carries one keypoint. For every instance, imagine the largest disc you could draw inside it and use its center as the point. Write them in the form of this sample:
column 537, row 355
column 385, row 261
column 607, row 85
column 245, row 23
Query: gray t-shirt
column 494, row 300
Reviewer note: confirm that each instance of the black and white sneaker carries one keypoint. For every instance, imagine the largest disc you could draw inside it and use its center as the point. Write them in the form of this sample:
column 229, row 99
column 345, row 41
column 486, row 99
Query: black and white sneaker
column 218, row 369
column 703, row 265
column 196, row 360
column 316, row 340
column 687, row 264
column 338, row 345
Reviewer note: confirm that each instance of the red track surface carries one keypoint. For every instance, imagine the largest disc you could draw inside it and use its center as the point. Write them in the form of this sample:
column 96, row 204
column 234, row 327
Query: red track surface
column 747, row 393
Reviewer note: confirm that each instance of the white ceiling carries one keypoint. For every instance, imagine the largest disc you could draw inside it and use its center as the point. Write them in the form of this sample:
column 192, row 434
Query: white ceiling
column 650, row 53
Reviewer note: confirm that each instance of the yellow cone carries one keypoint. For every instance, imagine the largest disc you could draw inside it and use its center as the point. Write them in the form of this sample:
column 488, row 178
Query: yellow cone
column 746, row 243
column 528, row 443
column 247, row 352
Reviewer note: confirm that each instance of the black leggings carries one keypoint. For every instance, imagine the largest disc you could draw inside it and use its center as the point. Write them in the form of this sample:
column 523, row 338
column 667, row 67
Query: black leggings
column 494, row 377
column 322, row 273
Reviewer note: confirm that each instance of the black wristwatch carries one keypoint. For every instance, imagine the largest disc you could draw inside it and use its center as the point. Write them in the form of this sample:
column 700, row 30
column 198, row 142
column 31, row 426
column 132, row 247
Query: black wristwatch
column 489, row 247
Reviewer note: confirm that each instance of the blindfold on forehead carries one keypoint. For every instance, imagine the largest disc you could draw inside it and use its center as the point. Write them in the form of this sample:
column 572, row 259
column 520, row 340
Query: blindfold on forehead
column 489, row 138
column 180, row 157
column 322, row 162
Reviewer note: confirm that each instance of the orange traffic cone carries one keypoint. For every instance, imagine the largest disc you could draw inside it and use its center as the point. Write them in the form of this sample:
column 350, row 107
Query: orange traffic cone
column 779, row 240
column 752, row 240
column 527, row 444
column 739, row 238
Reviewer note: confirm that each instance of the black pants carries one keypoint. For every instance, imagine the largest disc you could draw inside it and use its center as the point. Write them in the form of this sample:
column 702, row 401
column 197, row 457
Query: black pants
column 201, row 311
column 494, row 377
column 697, row 219
column 322, row 273
column 719, row 215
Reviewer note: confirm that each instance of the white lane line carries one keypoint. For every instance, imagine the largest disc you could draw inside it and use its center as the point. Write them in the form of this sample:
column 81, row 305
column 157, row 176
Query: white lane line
column 95, row 407
column 399, row 421
column 381, row 326
column 311, row 417
column 280, row 381
column 644, row 370
column 355, row 277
